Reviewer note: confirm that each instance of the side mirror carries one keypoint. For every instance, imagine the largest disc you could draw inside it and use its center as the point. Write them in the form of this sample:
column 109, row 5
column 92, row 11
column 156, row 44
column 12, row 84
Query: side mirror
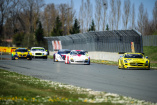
column 146, row 57
column 46, row 50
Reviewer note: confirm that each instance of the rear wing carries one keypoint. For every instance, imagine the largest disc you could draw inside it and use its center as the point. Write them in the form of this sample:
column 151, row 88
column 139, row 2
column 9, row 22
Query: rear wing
column 121, row 52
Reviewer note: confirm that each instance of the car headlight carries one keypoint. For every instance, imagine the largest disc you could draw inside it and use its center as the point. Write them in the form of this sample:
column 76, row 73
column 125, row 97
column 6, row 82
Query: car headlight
column 86, row 59
column 147, row 62
column 125, row 61
column 72, row 60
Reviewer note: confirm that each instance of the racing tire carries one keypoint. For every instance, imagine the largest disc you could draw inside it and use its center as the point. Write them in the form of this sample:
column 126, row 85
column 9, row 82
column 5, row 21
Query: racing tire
column 88, row 63
column 54, row 58
column 69, row 62
column 29, row 58
column 149, row 67
column 122, row 66
column 45, row 57
column 12, row 58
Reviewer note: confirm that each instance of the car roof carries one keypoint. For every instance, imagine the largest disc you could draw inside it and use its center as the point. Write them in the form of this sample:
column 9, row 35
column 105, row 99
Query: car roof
column 63, row 50
column 37, row 48
column 21, row 48
column 77, row 50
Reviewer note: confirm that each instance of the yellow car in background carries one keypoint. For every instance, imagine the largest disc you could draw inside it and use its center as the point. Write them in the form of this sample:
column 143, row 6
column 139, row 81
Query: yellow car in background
column 21, row 53
column 133, row 60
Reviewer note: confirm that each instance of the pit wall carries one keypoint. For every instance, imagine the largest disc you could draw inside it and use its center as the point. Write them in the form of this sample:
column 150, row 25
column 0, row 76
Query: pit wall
column 109, row 56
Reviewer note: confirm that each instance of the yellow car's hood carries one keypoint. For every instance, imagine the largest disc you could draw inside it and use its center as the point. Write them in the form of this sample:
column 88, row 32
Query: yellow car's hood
column 140, row 60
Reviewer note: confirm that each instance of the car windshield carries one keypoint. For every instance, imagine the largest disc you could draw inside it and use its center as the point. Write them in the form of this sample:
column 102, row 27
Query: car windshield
column 21, row 50
column 37, row 49
column 133, row 56
column 77, row 52
column 63, row 52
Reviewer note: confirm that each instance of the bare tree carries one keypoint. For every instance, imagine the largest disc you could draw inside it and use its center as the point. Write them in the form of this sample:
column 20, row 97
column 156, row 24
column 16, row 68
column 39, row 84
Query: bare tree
column 113, row 15
column 145, row 24
column 155, row 15
column 5, row 10
column 70, row 17
column 66, row 13
column 133, row 16
column 126, row 14
column 105, row 7
column 118, row 13
column 82, row 16
column 89, row 12
column 29, row 15
column 98, row 13
column 140, row 18
column 33, row 7
column 63, row 10
column 49, row 17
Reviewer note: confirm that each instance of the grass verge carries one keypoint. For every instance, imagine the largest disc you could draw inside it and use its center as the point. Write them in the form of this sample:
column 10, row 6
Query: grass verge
column 151, row 52
column 17, row 89
column 104, row 62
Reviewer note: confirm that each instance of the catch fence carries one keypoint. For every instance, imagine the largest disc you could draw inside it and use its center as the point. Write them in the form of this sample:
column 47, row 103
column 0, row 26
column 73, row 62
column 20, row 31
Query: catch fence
column 105, row 41
column 150, row 40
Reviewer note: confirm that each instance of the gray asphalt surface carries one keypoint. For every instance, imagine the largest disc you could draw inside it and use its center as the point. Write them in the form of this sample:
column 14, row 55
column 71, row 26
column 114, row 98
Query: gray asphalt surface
column 139, row 84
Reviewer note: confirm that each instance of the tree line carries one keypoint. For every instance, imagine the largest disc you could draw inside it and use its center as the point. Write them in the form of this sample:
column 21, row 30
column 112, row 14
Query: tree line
column 28, row 21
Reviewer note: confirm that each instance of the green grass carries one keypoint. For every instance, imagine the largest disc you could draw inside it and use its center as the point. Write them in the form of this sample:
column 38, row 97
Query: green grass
column 50, row 56
column 151, row 52
column 104, row 62
column 17, row 89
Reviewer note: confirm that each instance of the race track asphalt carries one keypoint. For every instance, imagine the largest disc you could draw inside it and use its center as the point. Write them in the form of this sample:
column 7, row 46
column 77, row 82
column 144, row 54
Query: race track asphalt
column 139, row 84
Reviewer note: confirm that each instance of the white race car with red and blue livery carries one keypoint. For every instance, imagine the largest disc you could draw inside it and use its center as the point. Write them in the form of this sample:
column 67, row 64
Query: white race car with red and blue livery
column 77, row 57
column 60, row 55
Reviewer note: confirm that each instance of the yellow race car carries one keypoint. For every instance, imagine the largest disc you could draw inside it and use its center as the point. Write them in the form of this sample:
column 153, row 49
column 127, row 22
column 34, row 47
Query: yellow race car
column 133, row 60
column 21, row 53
